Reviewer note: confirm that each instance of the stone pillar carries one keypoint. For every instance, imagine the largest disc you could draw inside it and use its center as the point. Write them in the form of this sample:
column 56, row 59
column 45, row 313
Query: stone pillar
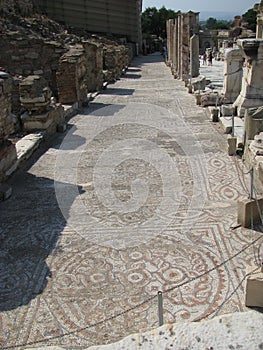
column 72, row 77
column 176, row 52
column 251, row 94
column 185, row 69
column 179, row 47
column 172, row 46
column 194, row 56
column 259, row 9
column 233, row 72
column 94, row 65
column 169, row 25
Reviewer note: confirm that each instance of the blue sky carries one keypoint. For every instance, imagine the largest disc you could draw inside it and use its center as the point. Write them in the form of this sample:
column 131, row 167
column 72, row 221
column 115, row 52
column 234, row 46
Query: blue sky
column 237, row 6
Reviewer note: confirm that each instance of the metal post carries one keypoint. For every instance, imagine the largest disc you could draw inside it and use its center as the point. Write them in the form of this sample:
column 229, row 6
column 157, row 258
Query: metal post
column 233, row 124
column 251, row 183
column 160, row 307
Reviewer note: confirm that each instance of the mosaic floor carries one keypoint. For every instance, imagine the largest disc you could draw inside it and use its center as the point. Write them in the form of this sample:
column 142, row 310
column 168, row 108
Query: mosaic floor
column 138, row 197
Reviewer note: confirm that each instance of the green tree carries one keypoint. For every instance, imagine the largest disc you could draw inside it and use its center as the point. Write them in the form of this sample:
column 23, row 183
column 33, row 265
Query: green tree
column 211, row 23
column 222, row 25
column 251, row 18
column 154, row 21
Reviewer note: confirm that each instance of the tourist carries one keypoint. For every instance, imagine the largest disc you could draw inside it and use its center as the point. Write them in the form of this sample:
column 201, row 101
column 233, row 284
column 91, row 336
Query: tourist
column 204, row 58
column 210, row 58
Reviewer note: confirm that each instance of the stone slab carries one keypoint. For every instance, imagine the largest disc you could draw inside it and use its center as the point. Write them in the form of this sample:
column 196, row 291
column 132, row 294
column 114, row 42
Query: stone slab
column 28, row 144
column 25, row 148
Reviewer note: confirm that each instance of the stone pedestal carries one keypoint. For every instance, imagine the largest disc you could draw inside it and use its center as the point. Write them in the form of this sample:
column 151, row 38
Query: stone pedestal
column 253, row 122
column 248, row 212
column 251, row 94
column 233, row 72
column 254, row 288
column 214, row 114
column 232, row 145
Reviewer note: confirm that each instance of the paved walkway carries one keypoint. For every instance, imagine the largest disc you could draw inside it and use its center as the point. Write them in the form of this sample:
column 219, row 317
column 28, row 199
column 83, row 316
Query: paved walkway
column 139, row 196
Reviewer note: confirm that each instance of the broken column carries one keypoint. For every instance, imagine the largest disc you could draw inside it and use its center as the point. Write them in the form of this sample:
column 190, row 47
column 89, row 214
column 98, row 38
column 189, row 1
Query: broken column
column 35, row 97
column 194, row 56
column 233, row 72
column 251, row 94
column 7, row 148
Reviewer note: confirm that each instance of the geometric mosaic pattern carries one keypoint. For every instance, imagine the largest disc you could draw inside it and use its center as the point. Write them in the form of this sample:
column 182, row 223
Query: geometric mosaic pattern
column 57, row 284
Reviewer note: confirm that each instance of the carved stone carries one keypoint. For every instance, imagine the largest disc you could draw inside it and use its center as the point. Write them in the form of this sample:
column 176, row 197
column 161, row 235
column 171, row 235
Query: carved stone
column 233, row 72
column 251, row 94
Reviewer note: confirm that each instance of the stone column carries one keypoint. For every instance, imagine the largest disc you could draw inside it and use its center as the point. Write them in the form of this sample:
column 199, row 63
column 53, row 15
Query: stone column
column 251, row 94
column 233, row 72
column 185, row 46
column 259, row 9
column 194, row 56
column 169, row 27
column 176, row 46
column 172, row 50
column 179, row 46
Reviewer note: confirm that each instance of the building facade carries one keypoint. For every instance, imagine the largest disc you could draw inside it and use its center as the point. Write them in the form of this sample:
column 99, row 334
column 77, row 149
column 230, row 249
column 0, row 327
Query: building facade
column 117, row 17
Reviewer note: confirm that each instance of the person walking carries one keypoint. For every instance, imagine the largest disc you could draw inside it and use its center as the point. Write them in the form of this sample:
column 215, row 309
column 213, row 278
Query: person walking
column 204, row 58
column 210, row 58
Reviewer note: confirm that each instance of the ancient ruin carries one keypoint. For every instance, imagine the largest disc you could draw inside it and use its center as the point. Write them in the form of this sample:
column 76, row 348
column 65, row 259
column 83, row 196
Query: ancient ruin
column 126, row 217
column 182, row 44
column 49, row 67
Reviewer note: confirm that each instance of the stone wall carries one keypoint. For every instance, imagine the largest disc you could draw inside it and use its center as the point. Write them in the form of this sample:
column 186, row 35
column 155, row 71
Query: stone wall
column 116, row 58
column 25, row 55
column 7, row 149
column 6, row 124
column 41, row 62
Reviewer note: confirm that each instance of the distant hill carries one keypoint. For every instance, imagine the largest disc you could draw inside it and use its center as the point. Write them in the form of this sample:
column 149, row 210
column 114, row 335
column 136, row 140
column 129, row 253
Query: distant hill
column 228, row 16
